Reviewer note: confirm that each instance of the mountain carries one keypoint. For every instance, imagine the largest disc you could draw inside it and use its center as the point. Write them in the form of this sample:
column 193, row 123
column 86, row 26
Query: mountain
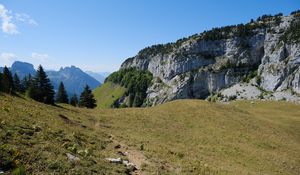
column 100, row 76
column 73, row 78
column 259, row 59
column 21, row 68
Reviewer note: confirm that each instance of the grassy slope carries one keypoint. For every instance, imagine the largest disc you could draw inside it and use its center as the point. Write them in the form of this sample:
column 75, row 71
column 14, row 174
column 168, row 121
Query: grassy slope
column 38, row 137
column 192, row 137
column 183, row 137
column 107, row 94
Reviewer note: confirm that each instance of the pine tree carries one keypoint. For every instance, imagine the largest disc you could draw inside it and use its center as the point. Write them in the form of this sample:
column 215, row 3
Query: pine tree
column 41, row 89
column 17, row 83
column 138, row 100
column 74, row 100
column 7, row 81
column 61, row 96
column 87, row 98
column 26, row 82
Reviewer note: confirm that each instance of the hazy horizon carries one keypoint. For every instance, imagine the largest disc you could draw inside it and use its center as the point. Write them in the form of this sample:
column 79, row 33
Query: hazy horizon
column 99, row 36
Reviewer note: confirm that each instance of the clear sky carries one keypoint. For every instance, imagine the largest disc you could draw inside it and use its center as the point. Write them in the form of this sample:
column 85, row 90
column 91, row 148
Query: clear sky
column 98, row 35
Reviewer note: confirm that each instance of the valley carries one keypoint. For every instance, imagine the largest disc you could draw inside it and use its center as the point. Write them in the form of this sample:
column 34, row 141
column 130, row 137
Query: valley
column 159, row 87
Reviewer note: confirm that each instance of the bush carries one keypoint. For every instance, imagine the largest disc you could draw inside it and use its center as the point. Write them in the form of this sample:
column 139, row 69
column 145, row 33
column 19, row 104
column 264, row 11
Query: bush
column 251, row 75
column 232, row 97
column 292, row 35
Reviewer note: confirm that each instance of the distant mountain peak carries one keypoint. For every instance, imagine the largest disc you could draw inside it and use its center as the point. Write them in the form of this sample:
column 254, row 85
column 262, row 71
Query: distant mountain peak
column 22, row 68
column 73, row 77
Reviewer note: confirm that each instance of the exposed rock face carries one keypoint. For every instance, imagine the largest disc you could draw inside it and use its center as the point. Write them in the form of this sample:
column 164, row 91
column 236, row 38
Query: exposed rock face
column 199, row 66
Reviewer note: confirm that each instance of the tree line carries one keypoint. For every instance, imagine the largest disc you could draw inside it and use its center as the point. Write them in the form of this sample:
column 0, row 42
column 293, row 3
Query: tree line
column 40, row 89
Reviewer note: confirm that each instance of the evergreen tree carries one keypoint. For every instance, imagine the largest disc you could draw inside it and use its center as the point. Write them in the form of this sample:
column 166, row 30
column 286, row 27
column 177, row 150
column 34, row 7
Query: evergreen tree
column 17, row 83
column 7, row 81
column 87, row 98
column 41, row 89
column 32, row 90
column 138, row 100
column 26, row 82
column 61, row 96
column 74, row 100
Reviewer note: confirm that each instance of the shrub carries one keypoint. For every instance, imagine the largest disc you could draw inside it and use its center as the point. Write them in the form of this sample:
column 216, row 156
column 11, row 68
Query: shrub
column 292, row 35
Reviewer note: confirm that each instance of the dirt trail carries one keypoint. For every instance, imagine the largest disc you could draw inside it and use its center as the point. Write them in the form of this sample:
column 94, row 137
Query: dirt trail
column 134, row 156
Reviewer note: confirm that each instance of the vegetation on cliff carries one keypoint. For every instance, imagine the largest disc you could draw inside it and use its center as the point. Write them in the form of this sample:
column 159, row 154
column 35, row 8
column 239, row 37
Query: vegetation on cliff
column 135, row 81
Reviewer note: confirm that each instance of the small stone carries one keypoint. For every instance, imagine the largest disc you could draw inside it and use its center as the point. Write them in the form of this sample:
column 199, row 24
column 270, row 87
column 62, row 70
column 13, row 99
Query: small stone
column 130, row 166
column 37, row 128
column 114, row 160
column 72, row 158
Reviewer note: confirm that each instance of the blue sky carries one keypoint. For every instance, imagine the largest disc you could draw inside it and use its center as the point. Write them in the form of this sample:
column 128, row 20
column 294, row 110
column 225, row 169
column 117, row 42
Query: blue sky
column 98, row 35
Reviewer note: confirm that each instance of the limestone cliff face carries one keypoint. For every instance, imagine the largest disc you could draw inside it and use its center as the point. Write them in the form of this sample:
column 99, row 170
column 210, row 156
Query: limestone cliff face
column 206, row 63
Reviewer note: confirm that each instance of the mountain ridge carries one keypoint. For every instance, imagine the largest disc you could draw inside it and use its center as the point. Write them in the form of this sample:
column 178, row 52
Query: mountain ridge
column 206, row 64
column 99, row 76
column 73, row 77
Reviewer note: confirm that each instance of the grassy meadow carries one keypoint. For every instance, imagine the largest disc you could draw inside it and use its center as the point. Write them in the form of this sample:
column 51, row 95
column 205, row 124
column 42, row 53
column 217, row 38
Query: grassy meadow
column 107, row 94
column 179, row 137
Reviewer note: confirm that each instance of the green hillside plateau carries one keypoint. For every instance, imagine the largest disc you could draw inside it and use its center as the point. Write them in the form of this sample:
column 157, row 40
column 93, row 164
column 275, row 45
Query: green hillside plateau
column 107, row 94
column 180, row 137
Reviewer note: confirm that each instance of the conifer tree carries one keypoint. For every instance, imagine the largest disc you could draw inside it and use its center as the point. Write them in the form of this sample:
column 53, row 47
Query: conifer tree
column 17, row 83
column 7, row 81
column 74, row 100
column 41, row 89
column 87, row 98
column 61, row 96
column 26, row 82
column 32, row 90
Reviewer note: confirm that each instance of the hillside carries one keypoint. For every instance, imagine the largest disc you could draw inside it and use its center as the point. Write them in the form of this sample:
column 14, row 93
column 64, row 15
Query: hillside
column 39, row 137
column 107, row 94
column 198, row 137
column 180, row 137
column 261, row 56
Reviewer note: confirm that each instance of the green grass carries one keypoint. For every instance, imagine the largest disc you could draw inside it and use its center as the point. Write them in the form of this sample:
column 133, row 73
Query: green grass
column 198, row 137
column 180, row 137
column 107, row 94
column 37, row 137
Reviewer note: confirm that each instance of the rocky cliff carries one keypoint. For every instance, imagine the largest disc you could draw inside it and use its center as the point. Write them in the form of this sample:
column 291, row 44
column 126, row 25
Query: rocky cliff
column 264, row 54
